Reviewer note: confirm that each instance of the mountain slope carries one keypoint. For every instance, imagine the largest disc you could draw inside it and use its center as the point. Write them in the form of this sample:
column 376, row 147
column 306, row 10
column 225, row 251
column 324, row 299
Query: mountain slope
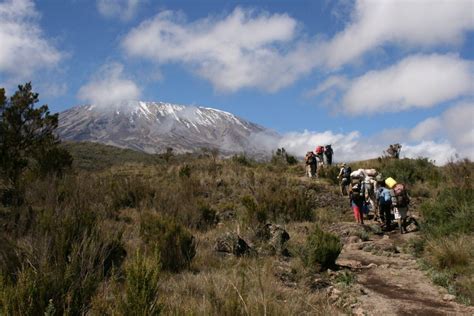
column 154, row 126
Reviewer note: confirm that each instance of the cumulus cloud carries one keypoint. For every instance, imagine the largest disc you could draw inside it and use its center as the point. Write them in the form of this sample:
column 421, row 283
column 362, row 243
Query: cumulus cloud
column 418, row 81
column 439, row 152
column 244, row 49
column 427, row 129
column 331, row 83
column 347, row 146
column 352, row 146
column 123, row 9
column 249, row 49
column 422, row 23
column 109, row 86
column 24, row 48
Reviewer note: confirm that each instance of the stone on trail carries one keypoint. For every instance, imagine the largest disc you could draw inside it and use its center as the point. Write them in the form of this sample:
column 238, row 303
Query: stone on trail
column 276, row 238
column 449, row 297
column 232, row 243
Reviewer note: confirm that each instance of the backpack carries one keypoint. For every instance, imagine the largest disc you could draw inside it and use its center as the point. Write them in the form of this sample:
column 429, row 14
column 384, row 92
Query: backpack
column 328, row 150
column 401, row 195
column 357, row 194
column 319, row 150
column 384, row 196
column 347, row 172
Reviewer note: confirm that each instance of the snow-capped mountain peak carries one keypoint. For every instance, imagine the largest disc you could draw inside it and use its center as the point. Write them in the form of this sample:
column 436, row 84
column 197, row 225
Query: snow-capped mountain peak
column 154, row 126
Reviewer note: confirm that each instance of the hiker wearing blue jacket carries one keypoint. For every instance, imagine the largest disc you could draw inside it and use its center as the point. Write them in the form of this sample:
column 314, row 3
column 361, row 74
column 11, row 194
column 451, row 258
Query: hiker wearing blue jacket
column 384, row 203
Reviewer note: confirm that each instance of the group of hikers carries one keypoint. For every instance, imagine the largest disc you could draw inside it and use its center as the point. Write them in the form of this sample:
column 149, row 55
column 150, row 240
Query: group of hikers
column 369, row 191
column 315, row 160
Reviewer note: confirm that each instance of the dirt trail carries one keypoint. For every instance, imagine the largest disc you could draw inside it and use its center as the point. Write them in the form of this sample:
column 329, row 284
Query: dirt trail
column 388, row 281
column 391, row 283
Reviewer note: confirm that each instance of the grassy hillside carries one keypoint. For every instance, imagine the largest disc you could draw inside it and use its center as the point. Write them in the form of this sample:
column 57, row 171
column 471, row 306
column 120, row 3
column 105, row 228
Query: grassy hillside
column 95, row 156
column 127, row 233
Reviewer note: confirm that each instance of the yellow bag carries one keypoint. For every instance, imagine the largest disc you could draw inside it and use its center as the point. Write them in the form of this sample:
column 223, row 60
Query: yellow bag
column 390, row 182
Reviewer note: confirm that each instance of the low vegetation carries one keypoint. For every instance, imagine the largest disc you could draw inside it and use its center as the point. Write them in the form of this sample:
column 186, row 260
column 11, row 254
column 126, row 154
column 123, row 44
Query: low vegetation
column 114, row 232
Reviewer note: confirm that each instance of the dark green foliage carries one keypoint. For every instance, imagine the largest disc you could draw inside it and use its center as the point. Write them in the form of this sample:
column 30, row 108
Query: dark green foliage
column 207, row 217
column 330, row 173
column 282, row 157
column 242, row 159
column 450, row 212
column 321, row 249
column 278, row 200
column 185, row 171
column 56, row 160
column 95, row 157
column 411, row 170
column 67, row 257
column 174, row 243
column 26, row 133
column 141, row 287
column 255, row 214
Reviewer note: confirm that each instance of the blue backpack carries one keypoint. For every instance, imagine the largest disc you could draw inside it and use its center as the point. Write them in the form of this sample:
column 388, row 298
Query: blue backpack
column 384, row 196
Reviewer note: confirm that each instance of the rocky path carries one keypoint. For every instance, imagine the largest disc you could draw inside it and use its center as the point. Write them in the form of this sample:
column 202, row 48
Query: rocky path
column 389, row 282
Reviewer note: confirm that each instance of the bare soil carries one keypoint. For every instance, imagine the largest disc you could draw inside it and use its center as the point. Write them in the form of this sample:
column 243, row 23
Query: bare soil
column 393, row 284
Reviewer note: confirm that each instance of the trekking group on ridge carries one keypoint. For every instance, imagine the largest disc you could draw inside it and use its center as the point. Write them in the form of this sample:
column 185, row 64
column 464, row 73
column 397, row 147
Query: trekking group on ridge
column 315, row 160
column 369, row 191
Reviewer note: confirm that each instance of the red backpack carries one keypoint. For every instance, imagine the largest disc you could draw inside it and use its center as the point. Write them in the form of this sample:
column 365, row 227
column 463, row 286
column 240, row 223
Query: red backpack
column 319, row 150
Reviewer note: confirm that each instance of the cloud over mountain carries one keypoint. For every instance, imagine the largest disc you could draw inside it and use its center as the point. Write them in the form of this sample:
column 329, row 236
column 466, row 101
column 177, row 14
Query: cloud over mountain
column 109, row 86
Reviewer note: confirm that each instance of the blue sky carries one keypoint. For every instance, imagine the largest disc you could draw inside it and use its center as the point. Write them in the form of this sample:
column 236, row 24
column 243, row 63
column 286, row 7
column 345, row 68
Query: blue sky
column 357, row 74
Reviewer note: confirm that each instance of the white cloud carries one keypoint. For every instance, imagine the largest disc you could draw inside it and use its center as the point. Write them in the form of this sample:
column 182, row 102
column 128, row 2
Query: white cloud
column 417, row 81
column 24, row 49
column 333, row 82
column 421, row 23
column 347, row 146
column 109, row 86
column 245, row 49
column 123, row 9
column 440, row 153
column 427, row 129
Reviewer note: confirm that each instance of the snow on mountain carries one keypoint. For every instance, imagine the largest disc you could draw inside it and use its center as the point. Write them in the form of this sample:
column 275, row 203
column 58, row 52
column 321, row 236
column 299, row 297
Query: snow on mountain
column 154, row 126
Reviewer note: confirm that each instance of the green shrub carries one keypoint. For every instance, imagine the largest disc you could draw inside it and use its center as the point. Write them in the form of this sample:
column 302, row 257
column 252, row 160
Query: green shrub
column 411, row 170
column 184, row 171
column 141, row 286
column 242, row 159
column 321, row 249
column 64, row 260
column 451, row 212
column 346, row 278
column 207, row 217
column 174, row 243
column 453, row 252
column 330, row 173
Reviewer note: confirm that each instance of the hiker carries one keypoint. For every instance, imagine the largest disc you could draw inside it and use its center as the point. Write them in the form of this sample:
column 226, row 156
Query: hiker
column 344, row 177
column 400, row 202
column 320, row 155
column 384, row 203
column 328, row 152
column 311, row 164
column 370, row 185
column 357, row 201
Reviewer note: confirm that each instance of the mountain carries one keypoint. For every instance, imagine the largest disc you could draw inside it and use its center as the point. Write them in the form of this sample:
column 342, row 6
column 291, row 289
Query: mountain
column 154, row 126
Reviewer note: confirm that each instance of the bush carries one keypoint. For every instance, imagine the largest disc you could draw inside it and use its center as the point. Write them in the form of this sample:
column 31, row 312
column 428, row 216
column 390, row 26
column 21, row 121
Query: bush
column 321, row 249
column 411, row 170
column 450, row 252
column 63, row 261
column 174, row 243
column 141, row 286
column 451, row 212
